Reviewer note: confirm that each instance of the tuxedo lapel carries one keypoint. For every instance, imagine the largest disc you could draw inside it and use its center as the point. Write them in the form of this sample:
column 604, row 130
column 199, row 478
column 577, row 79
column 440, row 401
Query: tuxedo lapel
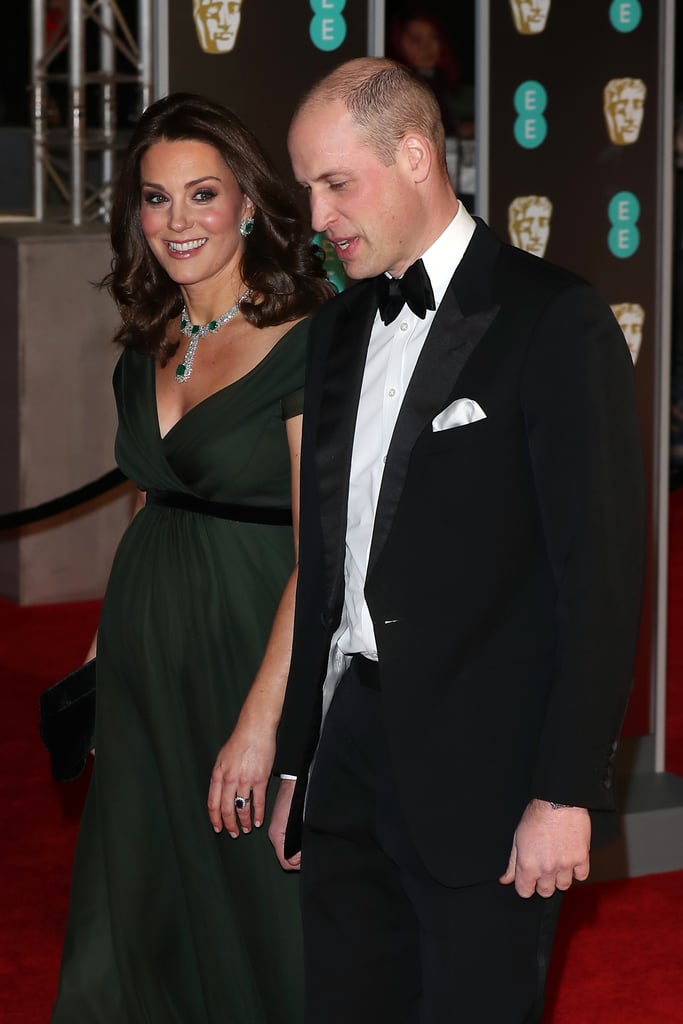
column 464, row 315
column 342, row 380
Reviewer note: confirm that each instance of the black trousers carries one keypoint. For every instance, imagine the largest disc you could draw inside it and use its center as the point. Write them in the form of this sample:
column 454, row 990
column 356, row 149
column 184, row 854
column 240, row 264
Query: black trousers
column 385, row 943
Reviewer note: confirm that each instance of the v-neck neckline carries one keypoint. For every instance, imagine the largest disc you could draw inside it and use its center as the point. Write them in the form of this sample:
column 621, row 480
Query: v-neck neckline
column 214, row 394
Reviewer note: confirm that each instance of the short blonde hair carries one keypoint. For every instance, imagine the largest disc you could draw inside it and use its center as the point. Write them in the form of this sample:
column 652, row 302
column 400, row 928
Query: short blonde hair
column 385, row 100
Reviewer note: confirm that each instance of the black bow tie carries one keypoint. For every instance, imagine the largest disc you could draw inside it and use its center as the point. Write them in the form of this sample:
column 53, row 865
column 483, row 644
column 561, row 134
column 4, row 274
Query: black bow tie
column 413, row 289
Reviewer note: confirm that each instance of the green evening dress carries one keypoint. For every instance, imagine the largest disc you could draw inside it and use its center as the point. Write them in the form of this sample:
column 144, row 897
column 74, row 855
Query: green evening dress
column 170, row 922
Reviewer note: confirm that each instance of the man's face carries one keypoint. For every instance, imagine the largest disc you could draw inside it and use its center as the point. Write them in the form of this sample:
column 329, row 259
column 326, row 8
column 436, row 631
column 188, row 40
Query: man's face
column 625, row 114
column 530, row 16
column 217, row 24
column 530, row 228
column 366, row 209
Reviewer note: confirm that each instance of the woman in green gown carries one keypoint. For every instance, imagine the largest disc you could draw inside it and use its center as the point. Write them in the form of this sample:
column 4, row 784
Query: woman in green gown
column 179, row 910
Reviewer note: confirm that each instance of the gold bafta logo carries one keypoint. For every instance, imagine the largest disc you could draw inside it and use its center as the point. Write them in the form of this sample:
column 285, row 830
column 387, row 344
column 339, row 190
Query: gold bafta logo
column 529, row 223
column 624, row 107
column 530, row 16
column 631, row 318
column 217, row 24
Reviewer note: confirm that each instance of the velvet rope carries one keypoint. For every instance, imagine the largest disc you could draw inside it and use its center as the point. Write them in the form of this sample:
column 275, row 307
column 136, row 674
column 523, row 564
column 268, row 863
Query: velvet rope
column 47, row 509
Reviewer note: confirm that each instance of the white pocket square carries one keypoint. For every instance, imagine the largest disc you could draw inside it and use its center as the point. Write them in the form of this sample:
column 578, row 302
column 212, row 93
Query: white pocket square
column 458, row 414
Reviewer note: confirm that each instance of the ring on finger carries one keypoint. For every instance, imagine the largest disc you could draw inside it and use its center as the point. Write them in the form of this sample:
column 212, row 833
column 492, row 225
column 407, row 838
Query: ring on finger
column 241, row 802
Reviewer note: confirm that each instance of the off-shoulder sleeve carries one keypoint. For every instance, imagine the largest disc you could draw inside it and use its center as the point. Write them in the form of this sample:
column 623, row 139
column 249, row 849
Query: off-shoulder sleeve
column 293, row 404
column 294, row 352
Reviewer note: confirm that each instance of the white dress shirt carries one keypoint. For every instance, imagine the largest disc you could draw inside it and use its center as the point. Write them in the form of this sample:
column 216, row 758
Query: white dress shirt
column 392, row 356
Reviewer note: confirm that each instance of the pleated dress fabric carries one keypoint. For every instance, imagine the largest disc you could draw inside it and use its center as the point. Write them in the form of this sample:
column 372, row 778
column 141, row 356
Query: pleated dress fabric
column 168, row 921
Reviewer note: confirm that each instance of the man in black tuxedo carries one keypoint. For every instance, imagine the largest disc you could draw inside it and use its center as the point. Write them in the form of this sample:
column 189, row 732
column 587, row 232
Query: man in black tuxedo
column 471, row 554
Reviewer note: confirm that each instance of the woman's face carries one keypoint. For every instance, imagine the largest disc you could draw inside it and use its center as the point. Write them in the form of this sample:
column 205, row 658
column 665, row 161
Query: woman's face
column 420, row 44
column 190, row 212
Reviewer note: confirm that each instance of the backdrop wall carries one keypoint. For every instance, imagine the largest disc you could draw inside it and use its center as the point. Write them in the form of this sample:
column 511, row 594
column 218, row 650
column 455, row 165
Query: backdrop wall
column 575, row 153
column 259, row 57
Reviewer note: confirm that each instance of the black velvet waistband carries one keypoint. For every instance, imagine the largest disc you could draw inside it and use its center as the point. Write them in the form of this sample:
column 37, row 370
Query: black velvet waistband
column 220, row 509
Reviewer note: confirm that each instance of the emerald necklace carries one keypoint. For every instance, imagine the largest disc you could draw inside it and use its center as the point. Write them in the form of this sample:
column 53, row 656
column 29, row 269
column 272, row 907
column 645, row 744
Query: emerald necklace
column 195, row 332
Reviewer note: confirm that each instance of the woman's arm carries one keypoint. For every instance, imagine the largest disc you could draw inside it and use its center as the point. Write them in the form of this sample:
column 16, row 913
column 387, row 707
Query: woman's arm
column 244, row 763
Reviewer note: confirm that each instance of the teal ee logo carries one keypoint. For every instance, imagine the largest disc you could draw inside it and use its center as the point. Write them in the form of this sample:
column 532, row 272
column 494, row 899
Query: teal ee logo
column 625, row 15
column 328, row 27
column 531, row 127
column 333, row 267
column 624, row 235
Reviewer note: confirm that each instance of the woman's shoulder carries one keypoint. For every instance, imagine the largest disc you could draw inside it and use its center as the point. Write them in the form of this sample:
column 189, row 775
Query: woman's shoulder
column 130, row 365
column 296, row 332
column 292, row 343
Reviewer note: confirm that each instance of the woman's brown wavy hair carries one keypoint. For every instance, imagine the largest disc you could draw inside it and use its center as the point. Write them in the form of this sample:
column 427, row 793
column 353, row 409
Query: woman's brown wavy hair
column 280, row 264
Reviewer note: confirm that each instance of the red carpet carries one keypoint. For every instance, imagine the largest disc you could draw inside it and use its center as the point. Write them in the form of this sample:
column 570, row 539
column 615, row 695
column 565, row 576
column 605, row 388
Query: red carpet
column 620, row 944
column 40, row 817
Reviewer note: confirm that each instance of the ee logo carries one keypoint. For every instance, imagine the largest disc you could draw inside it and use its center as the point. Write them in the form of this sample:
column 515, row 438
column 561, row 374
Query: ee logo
column 625, row 15
column 328, row 27
column 624, row 235
column 531, row 127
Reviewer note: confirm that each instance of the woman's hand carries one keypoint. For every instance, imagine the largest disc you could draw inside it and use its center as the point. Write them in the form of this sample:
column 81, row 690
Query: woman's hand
column 242, row 769
column 244, row 763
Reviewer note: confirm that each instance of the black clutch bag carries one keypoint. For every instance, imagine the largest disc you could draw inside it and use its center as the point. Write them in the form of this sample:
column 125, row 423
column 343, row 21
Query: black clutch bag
column 67, row 721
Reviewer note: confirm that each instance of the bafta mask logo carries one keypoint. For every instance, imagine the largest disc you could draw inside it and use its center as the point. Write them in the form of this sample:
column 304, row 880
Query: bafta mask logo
column 217, row 24
column 530, row 16
column 529, row 223
column 631, row 318
column 624, row 107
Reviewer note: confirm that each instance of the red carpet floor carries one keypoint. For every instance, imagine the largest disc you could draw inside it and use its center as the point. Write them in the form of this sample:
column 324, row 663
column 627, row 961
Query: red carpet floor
column 620, row 944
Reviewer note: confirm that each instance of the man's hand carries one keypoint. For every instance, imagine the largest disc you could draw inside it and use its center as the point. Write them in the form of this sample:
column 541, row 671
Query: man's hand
column 278, row 825
column 550, row 849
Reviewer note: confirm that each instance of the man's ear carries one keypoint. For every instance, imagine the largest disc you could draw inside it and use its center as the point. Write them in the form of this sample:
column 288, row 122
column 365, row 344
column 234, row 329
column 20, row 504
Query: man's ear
column 419, row 156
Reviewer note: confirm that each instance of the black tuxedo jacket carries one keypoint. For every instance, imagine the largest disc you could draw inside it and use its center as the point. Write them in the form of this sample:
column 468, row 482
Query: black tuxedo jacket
column 505, row 572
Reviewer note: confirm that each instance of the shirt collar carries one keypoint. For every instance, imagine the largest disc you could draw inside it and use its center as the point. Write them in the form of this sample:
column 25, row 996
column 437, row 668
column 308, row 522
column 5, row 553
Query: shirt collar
column 443, row 256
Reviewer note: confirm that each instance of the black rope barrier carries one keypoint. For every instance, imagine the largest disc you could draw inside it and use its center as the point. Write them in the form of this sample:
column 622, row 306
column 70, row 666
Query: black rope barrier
column 47, row 509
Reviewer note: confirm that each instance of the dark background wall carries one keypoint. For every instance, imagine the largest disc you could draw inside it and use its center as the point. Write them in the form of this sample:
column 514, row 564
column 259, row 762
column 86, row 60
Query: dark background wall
column 458, row 17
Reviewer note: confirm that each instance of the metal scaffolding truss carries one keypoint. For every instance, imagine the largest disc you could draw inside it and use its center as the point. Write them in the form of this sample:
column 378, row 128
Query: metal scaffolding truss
column 75, row 159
